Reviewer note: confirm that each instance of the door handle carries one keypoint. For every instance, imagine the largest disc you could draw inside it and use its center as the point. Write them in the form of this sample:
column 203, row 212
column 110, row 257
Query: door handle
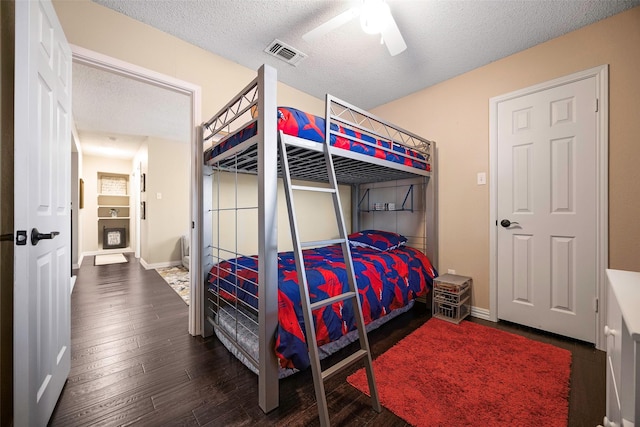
column 36, row 236
column 506, row 223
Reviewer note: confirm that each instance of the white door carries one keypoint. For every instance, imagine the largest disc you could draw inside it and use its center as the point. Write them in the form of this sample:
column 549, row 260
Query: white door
column 547, row 189
column 42, row 161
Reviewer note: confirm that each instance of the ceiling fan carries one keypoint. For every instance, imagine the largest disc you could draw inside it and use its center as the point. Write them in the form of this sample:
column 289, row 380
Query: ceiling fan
column 375, row 18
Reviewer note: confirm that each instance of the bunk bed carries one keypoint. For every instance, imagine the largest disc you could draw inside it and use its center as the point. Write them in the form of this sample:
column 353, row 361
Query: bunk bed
column 245, row 304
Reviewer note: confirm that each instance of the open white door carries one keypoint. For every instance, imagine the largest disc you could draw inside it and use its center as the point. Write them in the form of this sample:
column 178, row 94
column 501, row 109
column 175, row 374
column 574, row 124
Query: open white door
column 42, row 326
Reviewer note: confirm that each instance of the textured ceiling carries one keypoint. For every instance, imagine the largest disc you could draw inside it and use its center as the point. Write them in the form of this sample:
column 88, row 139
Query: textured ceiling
column 115, row 114
column 444, row 38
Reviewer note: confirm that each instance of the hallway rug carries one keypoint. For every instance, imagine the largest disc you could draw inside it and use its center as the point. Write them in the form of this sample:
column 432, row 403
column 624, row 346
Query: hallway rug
column 109, row 259
column 444, row 374
column 178, row 278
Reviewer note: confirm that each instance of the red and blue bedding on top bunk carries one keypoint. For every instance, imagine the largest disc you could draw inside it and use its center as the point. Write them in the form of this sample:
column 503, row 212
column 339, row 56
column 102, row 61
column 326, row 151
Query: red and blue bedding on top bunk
column 307, row 126
column 388, row 273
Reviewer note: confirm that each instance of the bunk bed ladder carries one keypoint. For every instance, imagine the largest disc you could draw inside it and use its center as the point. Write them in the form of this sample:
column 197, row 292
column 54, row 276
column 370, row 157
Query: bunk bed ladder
column 364, row 353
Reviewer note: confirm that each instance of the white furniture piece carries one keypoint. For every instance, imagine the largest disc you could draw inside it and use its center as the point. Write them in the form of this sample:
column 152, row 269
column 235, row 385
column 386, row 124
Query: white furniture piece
column 623, row 348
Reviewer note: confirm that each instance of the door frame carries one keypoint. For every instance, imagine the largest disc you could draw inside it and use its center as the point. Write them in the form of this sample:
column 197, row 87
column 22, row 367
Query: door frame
column 601, row 74
column 97, row 60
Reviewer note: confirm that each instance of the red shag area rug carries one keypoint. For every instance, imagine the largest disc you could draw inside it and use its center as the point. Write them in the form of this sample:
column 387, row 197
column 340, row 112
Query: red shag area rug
column 444, row 374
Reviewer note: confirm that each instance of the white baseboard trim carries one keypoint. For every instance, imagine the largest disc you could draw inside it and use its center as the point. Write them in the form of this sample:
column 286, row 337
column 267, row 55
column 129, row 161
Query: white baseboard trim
column 155, row 265
column 480, row 313
column 77, row 266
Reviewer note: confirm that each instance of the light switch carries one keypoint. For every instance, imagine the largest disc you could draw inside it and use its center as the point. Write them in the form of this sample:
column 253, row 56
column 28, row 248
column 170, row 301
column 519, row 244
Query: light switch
column 482, row 178
column 158, row 196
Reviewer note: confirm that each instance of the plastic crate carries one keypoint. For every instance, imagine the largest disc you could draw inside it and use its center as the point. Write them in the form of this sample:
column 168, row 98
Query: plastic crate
column 448, row 297
column 452, row 283
column 452, row 297
column 454, row 313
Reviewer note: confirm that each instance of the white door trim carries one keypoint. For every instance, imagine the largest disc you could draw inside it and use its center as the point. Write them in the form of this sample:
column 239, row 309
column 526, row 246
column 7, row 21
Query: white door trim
column 601, row 74
column 107, row 63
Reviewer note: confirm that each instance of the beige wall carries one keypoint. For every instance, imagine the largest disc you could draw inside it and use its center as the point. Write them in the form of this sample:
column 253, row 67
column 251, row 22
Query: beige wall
column 167, row 198
column 166, row 165
column 97, row 28
column 314, row 214
column 455, row 113
column 89, row 25
column 76, row 225
column 141, row 165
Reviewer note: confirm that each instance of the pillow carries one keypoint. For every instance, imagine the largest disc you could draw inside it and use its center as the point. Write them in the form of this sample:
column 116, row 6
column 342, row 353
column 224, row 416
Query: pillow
column 377, row 239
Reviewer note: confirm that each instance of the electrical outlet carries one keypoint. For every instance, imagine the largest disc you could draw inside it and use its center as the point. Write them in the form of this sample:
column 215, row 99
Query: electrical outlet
column 451, row 271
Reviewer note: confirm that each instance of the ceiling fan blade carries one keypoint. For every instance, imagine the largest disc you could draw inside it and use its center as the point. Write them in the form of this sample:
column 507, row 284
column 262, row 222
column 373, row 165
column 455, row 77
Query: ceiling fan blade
column 331, row 24
column 392, row 37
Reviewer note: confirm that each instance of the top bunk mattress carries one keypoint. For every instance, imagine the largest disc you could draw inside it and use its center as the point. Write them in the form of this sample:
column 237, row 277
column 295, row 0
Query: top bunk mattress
column 311, row 128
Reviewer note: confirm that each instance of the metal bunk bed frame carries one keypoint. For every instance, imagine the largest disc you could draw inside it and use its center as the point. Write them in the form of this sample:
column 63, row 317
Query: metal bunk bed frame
column 260, row 157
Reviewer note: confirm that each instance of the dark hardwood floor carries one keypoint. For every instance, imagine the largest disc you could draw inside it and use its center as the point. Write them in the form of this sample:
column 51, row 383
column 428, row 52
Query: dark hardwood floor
column 134, row 363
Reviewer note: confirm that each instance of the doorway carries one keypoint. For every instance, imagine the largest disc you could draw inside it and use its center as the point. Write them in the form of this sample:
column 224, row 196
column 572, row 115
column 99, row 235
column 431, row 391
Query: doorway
column 549, row 205
column 120, row 68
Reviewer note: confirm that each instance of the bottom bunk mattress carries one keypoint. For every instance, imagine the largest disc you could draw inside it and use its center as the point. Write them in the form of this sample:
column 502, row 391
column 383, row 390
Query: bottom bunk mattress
column 243, row 327
column 387, row 280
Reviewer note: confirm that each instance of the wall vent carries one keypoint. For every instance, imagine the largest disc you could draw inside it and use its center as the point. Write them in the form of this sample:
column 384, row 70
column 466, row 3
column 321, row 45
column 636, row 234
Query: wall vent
column 288, row 54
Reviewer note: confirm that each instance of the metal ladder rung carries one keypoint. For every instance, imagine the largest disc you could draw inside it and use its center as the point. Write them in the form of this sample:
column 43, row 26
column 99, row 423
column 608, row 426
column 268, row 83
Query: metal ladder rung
column 316, row 243
column 331, row 300
column 316, row 189
column 344, row 363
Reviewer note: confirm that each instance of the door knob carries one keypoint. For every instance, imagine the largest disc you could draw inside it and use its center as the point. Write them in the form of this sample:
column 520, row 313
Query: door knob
column 506, row 223
column 36, row 236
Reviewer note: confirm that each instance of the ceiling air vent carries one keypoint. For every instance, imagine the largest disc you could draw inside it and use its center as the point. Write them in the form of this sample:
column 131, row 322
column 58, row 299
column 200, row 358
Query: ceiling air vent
column 285, row 52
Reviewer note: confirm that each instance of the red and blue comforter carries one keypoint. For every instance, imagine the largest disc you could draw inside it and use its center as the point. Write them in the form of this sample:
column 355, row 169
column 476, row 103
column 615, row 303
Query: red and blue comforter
column 303, row 125
column 386, row 280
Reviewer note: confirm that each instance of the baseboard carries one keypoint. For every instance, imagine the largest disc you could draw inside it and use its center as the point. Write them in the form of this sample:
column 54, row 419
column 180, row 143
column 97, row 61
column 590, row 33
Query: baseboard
column 77, row 266
column 155, row 265
column 480, row 313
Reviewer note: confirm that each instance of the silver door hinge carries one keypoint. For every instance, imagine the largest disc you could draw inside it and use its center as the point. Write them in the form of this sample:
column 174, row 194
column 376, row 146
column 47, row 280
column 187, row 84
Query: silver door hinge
column 597, row 105
column 596, row 304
